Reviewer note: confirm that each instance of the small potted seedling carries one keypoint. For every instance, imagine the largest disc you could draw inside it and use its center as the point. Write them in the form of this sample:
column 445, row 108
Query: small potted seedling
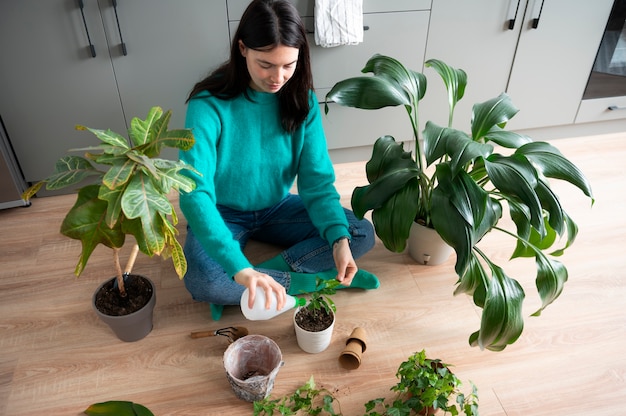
column 315, row 321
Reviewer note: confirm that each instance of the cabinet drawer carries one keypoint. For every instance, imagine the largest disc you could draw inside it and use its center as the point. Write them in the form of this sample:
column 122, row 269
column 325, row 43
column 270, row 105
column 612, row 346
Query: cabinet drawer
column 306, row 7
column 599, row 109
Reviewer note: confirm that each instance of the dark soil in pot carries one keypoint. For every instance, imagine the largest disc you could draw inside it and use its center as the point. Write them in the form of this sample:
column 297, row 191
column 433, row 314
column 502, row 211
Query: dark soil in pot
column 313, row 320
column 138, row 293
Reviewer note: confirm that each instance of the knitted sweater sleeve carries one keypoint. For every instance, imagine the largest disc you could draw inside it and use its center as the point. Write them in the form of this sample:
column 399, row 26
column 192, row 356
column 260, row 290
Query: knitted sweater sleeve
column 199, row 206
column 316, row 178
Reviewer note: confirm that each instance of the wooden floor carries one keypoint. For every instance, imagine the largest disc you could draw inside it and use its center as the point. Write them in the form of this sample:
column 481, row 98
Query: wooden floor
column 56, row 357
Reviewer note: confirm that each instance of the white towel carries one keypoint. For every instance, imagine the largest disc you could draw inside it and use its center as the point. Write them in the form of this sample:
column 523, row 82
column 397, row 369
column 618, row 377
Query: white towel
column 338, row 22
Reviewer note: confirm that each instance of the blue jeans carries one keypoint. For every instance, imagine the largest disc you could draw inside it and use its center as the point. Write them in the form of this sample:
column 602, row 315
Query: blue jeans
column 286, row 224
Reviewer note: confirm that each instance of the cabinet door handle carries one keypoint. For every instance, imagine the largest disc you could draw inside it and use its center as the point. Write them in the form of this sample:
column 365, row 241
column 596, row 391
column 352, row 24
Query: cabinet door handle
column 615, row 108
column 511, row 20
column 119, row 28
column 535, row 20
column 92, row 48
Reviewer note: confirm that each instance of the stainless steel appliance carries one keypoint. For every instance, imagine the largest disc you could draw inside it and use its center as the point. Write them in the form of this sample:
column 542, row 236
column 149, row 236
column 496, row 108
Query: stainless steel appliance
column 608, row 78
column 12, row 182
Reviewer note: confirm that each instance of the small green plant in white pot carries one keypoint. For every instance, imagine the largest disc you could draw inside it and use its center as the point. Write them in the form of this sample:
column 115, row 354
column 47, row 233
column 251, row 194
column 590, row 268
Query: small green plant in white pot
column 315, row 321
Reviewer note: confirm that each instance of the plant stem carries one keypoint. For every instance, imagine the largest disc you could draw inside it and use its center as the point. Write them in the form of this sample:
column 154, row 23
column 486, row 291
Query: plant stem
column 119, row 273
column 414, row 117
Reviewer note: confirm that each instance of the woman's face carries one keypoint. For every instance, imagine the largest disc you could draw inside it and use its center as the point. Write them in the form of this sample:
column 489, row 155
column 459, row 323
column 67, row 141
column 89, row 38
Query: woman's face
column 270, row 70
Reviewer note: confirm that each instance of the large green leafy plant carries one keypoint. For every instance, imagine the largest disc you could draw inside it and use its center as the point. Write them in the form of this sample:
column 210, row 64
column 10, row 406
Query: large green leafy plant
column 130, row 197
column 469, row 187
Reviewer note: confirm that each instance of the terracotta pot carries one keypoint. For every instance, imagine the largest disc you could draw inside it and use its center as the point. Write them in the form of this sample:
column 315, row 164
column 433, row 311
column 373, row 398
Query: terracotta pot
column 426, row 246
column 356, row 345
column 313, row 342
column 131, row 327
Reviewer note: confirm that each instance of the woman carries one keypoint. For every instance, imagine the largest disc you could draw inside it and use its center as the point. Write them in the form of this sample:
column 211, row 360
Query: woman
column 258, row 127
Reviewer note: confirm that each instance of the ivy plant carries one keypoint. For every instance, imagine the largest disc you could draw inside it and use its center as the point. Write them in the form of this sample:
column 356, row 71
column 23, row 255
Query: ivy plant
column 308, row 399
column 425, row 387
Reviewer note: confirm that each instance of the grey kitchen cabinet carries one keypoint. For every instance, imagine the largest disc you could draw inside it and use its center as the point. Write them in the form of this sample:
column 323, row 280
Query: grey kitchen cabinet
column 539, row 51
column 51, row 81
column 397, row 28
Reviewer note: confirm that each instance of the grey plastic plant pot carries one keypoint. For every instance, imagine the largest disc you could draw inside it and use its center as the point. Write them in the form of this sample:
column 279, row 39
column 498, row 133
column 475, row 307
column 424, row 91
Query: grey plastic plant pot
column 131, row 327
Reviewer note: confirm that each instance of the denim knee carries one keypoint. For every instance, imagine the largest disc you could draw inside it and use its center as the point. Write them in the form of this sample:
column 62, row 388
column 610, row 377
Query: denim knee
column 205, row 279
column 363, row 237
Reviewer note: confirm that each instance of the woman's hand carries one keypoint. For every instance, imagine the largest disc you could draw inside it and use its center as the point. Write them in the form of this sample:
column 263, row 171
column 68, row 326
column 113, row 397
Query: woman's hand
column 253, row 279
column 346, row 266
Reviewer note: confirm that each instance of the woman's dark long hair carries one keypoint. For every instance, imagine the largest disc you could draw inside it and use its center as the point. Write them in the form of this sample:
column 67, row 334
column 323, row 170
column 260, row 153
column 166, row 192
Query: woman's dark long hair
column 265, row 25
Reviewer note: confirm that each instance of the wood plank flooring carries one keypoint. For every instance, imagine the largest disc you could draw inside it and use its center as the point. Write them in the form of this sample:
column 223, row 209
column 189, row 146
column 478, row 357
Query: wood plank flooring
column 56, row 357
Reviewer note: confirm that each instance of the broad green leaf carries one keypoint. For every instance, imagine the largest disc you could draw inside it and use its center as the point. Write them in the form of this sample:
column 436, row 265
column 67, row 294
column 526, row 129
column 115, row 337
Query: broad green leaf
column 572, row 232
column 368, row 93
column 102, row 151
column 494, row 112
column 179, row 139
column 144, row 161
column 151, row 239
column 501, row 321
column 172, row 179
column 142, row 200
column 550, row 202
column 462, row 214
column 473, row 282
column 452, row 226
column 141, row 197
column 70, row 170
column 552, row 164
column 529, row 245
column 32, row 190
column 176, row 253
column 387, row 156
column 551, row 278
column 86, row 222
column 454, row 79
column 388, row 171
column 109, row 158
column 113, row 197
column 107, row 136
column 393, row 220
column 520, row 214
column 375, row 195
column 117, row 408
column 145, row 131
column 515, row 177
column 119, row 174
column 508, row 139
column 441, row 141
column 412, row 82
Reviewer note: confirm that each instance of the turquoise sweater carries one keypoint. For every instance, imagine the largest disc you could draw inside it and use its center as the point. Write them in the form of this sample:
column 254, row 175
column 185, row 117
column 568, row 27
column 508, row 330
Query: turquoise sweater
column 249, row 162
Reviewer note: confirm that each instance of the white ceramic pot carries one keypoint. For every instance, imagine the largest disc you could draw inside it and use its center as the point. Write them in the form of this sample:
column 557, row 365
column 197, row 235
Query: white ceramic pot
column 426, row 246
column 313, row 342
